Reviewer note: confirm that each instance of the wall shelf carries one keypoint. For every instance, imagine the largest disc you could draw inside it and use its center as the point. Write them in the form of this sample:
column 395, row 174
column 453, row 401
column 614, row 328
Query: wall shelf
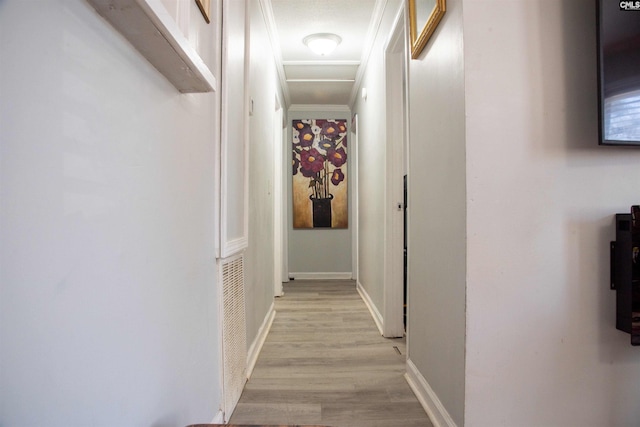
column 154, row 33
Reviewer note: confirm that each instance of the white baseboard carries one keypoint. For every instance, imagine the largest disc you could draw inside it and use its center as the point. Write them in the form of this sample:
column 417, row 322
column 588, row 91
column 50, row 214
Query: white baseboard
column 321, row 276
column 377, row 317
column 219, row 418
column 427, row 397
column 256, row 346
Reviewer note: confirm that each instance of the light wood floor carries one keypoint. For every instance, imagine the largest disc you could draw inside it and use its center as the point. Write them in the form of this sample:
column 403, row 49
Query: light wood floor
column 325, row 362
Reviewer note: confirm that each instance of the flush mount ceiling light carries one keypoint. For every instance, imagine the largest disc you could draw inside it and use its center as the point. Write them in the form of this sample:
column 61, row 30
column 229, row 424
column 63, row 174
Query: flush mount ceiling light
column 322, row 43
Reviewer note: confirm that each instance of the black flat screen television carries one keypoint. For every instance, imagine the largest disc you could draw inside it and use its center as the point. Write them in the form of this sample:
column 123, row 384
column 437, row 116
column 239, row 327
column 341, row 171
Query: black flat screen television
column 625, row 273
column 635, row 275
column 618, row 26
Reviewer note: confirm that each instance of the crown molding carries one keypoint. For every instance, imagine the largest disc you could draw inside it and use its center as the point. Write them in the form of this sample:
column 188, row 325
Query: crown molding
column 372, row 32
column 272, row 31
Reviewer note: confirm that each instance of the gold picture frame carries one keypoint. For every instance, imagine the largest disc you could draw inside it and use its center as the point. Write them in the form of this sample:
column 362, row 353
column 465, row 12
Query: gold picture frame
column 205, row 8
column 424, row 16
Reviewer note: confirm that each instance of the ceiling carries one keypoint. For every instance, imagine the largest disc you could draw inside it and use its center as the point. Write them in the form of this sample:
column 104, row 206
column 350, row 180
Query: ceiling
column 308, row 78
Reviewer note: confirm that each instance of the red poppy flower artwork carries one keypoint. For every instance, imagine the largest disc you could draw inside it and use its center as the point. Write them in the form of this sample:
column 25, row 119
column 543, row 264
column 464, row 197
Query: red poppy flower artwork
column 337, row 177
column 311, row 160
column 319, row 172
column 337, row 157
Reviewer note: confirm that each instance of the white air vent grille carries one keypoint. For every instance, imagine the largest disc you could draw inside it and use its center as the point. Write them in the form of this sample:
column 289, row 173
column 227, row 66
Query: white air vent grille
column 234, row 336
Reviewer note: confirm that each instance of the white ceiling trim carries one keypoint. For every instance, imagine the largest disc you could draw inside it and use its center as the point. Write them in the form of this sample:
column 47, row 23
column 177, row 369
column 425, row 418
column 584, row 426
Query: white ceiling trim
column 372, row 32
column 316, row 63
column 270, row 22
column 321, row 80
column 319, row 107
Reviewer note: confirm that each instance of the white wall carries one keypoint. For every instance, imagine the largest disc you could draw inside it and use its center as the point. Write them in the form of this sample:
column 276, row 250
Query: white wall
column 319, row 253
column 259, row 288
column 371, row 179
column 108, row 311
column 542, row 348
column 437, row 213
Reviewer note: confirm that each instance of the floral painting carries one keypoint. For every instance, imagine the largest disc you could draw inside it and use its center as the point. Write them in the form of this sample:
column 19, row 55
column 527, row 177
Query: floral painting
column 319, row 164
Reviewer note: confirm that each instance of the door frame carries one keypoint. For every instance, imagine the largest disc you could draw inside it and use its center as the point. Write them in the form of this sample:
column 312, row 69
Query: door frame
column 278, row 195
column 353, row 180
column 395, row 60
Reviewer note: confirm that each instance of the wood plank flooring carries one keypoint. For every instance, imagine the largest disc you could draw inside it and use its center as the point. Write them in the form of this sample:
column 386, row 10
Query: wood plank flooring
column 325, row 362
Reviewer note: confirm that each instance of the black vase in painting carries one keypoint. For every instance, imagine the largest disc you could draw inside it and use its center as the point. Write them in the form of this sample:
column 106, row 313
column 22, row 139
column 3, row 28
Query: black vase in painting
column 321, row 212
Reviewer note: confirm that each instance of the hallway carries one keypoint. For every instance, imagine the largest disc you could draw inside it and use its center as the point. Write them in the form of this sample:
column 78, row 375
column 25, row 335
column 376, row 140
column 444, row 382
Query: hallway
column 324, row 362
